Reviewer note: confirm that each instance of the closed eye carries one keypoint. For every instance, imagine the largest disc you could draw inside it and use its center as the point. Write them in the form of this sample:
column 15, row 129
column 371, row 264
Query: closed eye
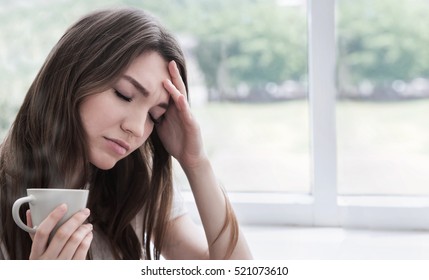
column 120, row 95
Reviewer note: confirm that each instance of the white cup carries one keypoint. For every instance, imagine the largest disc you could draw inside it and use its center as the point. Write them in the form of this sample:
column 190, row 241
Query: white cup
column 44, row 201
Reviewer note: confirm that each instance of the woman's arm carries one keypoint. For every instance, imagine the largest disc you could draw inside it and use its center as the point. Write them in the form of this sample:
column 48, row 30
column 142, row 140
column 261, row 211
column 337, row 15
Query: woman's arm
column 181, row 137
column 212, row 207
column 185, row 239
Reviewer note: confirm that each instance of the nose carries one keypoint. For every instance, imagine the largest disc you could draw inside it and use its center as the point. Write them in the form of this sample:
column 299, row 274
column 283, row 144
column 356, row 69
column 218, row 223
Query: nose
column 135, row 122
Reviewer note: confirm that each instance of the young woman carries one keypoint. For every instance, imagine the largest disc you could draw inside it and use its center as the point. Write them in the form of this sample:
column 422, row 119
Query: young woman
column 106, row 112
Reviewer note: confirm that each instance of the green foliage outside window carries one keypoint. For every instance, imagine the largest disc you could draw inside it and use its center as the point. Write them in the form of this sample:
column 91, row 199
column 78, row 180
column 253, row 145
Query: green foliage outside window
column 251, row 42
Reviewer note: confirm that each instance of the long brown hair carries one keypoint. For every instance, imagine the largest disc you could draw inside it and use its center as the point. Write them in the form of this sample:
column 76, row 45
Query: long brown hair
column 46, row 146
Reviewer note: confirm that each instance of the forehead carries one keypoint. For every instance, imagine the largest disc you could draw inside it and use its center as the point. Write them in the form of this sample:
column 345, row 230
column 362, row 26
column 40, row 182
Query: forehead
column 149, row 69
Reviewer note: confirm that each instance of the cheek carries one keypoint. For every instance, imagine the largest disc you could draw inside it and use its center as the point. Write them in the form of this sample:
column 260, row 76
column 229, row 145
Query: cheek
column 96, row 111
column 148, row 130
column 94, row 122
column 85, row 117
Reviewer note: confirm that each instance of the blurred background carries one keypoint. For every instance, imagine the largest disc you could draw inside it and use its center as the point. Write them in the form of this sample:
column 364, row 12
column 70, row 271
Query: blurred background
column 248, row 64
column 248, row 70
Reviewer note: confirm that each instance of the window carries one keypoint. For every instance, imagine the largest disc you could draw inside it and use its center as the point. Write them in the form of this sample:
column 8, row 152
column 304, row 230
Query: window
column 312, row 111
column 249, row 90
column 383, row 96
column 336, row 199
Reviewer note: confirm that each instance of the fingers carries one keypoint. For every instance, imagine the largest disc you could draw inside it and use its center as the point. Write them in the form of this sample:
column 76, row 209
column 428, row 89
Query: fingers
column 41, row 237
column 178, row 98
column 71, row 232
column 71, row 240
column 78, row 244
column 176, row 78
column 177, row 89
column 29, row 222
column 83, row 248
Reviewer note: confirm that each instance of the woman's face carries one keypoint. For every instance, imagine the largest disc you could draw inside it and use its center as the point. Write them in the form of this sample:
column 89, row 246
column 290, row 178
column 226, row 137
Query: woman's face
column 119, row 120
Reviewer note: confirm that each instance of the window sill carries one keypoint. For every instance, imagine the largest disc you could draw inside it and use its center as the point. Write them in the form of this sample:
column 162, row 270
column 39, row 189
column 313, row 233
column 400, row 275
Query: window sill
column 333, row 243
column 384, row 201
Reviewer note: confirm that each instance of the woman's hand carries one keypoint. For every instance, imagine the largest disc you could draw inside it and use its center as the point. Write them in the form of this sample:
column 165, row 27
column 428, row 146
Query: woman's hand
column 178, row 131
column 71, row 240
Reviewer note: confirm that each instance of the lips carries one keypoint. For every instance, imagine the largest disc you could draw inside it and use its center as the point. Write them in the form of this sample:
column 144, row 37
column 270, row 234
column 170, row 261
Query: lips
column 118, row 146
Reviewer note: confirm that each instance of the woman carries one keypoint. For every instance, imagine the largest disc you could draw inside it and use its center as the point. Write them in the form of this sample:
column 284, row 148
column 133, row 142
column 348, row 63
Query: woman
column 106, row 112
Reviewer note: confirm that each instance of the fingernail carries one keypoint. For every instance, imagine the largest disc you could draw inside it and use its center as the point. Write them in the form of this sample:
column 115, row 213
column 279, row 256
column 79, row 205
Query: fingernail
column 62, row 207
column 86, row 211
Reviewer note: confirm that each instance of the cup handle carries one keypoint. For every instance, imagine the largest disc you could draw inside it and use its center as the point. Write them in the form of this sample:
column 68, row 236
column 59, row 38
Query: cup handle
column 15, row 213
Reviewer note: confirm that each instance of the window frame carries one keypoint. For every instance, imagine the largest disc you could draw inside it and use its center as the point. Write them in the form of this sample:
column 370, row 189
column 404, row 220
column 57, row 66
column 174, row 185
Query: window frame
column 324, row 207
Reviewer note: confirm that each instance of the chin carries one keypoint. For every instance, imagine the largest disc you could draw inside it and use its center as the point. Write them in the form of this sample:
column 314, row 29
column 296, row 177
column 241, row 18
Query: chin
column 104, row 165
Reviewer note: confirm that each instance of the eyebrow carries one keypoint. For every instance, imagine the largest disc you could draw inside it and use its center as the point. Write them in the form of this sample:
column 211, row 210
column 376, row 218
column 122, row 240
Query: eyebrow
column 143, row 90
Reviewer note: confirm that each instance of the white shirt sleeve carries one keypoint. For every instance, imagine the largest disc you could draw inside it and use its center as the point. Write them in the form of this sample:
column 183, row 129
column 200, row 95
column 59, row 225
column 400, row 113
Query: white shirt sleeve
column 178, row 207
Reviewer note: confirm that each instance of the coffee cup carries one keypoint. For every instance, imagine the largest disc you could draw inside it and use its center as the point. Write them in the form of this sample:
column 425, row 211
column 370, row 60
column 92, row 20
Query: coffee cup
column 44, row 201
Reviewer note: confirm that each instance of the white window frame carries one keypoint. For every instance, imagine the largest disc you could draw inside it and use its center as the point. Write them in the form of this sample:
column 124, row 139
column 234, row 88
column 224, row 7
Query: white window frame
column 324, row 207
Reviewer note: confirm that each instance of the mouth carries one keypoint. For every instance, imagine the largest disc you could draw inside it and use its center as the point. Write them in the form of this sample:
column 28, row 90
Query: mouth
column 118, row 145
